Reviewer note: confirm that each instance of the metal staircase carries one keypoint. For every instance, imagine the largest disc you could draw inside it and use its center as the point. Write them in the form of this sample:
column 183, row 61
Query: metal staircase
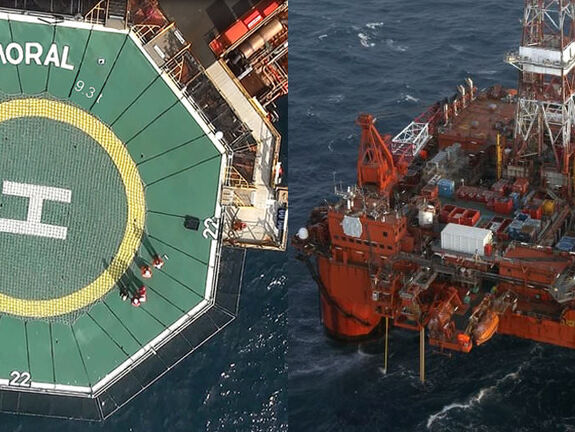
column 117, row 13
column 111, row 13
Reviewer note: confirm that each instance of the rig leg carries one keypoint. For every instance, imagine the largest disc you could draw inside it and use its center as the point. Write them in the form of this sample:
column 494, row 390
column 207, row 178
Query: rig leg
column 422, row 354
column 386, row 344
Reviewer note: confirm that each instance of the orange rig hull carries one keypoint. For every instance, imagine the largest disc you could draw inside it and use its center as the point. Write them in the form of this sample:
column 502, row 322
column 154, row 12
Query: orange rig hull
column 346, row 313
column 351, row 311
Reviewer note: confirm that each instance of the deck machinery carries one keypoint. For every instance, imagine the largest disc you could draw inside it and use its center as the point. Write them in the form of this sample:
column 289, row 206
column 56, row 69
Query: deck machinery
column 460, row 225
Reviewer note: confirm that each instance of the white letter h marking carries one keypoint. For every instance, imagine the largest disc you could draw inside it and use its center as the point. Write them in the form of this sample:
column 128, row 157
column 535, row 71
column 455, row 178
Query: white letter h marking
column 33, row 225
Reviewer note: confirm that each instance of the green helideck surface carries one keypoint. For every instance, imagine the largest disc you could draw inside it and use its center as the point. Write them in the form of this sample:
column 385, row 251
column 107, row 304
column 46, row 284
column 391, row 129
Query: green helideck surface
column 96, row 217
column 180, row 170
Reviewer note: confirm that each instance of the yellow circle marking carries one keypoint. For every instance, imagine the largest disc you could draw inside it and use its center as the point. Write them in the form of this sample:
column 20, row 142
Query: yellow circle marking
column 134, row 193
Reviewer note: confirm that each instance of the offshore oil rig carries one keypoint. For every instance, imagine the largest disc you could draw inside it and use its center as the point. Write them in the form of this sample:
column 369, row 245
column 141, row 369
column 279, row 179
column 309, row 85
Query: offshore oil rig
column 461, row 225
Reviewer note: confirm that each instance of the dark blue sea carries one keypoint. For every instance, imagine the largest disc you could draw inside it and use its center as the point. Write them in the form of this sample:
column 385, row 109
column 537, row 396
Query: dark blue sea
column 393, row 59
column 237, row 381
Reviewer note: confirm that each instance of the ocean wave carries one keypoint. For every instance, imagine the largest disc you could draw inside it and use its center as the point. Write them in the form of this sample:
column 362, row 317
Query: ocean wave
column 469, row 404
column 279, row 282
column 407, row 375
column 334, row 365
column 456, row 47
column 474, row 400
column 374, row 25
column 309, row 340
column 406, row 97
column 365, row 40
column 487, row 72
column 363, row 353
column 395, row 46
column 367, row 33
column 336, row 98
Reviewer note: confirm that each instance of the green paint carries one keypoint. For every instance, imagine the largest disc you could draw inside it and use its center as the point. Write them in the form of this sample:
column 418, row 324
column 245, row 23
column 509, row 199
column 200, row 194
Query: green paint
column 93, row 72
column 33, row 76
column 8, row 73
column 121, row 88
column 62, row 80
column 41, row 362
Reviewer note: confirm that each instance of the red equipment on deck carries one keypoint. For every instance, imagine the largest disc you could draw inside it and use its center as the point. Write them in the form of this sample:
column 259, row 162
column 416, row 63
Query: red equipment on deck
column 375, row 162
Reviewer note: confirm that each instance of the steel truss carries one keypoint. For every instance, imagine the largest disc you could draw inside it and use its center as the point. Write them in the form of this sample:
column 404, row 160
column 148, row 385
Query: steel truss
column 546, row 61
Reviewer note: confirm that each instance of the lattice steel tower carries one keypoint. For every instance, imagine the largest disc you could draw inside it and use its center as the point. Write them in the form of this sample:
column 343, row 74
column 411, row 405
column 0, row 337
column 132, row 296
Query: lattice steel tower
column 545, row 108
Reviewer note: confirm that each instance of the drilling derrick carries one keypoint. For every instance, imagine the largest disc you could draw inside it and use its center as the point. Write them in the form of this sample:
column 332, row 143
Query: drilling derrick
column 545, row 106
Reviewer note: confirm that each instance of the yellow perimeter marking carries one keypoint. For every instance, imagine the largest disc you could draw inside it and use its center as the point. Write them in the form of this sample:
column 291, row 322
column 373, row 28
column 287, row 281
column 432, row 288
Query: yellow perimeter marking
column 84, row 121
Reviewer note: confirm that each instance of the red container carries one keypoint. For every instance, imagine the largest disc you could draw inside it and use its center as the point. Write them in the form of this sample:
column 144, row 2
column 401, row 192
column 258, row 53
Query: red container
column 503, row 206
column 455, row 215
column 502, row 186
column 499, row 225
column 463, row 216
column 521, row 185
column 491, row 195
column 470, row 217
column 534, row 211
column 444, row 213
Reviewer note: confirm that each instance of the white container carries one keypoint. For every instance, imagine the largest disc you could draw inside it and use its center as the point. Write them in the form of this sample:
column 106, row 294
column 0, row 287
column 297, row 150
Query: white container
column 462, row 238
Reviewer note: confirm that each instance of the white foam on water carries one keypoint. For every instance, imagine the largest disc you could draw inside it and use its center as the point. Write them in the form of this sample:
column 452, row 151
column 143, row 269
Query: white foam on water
column 365, row 40
column 374, row 25
column 469, row 404
column 322, row 37
column 362, row 353
column 486, row 72
column 333, row 365
column 474, row 400
column 405, row 97
column 393, row 45
column 382, row 370
column 279, row 282
column 336, row 98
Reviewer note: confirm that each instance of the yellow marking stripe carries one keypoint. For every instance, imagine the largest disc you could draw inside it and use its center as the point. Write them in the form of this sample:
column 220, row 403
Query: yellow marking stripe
column 134, row 193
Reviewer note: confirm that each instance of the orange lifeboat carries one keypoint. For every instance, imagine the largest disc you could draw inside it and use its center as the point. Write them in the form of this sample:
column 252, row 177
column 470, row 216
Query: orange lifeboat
column 486, row 328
